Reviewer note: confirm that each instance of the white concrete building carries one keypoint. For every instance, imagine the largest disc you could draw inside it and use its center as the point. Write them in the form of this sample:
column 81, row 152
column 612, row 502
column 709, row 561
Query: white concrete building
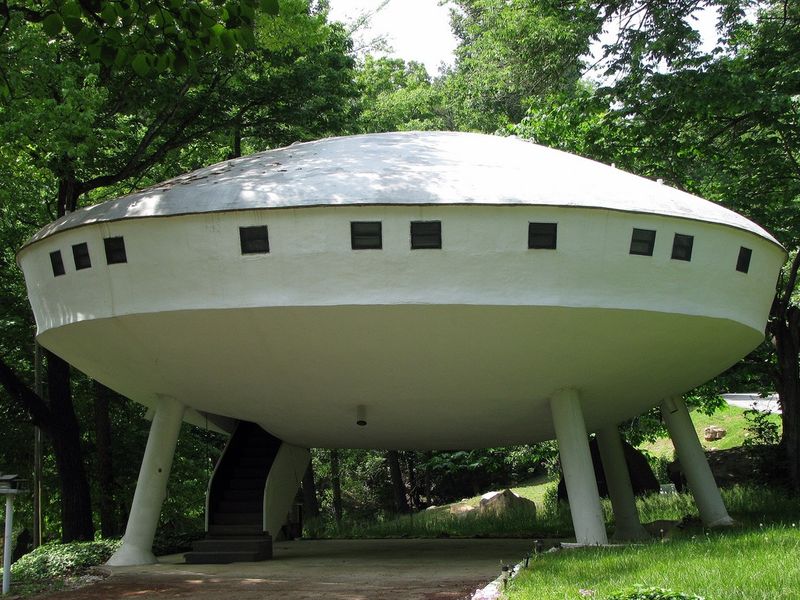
column 403, row 290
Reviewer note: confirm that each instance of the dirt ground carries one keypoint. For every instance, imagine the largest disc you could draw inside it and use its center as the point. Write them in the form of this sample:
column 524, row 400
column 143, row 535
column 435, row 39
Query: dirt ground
column 441, row 569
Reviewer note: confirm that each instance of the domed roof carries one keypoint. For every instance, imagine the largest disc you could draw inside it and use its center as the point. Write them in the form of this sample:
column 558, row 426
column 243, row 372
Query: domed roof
column 405, row 169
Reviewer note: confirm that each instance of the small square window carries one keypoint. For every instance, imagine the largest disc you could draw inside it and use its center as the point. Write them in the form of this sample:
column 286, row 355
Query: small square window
column 643, row 241
column 682, row 247
column 366, row 235
column 57, row 263
column 115, row 250
column 743, row 262
column 80, row 252
column 254, row 240
column 426, row 234
column 542, row 235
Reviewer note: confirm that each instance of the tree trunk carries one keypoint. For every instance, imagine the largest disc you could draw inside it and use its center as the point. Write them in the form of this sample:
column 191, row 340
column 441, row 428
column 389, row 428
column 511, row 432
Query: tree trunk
column 413, row 483
column 336, row 486
column 76, row 506
column 236, row 146
column 105, row 471
column 787, row 345
column 69, row 190
column 398, row 487
column 310, row 504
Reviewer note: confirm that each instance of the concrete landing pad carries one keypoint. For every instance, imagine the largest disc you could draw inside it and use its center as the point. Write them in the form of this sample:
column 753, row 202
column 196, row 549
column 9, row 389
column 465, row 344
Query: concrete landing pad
column 405, row 569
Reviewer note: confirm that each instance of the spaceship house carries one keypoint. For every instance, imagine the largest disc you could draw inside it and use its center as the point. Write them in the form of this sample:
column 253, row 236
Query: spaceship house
column 400, row 290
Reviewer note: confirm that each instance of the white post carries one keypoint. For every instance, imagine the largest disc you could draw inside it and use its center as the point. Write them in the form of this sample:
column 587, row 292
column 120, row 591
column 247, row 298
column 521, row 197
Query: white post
column 283, row 481
column 576, row 462
column 7, row 549
column 151, row 488
column 620, row 490
column 694, row 464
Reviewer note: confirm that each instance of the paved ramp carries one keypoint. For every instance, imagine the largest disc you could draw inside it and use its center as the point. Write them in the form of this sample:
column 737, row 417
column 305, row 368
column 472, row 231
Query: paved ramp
column 440, row 569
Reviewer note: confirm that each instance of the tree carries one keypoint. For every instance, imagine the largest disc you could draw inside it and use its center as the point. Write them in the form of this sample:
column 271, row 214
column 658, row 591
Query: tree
column 399, row 96
column 398, row 485
column 512, row 53
column 145, row 35
column 85, row 130
column 725, row 126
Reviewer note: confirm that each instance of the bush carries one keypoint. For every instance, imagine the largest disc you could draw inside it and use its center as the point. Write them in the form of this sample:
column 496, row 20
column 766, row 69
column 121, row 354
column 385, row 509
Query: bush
column 652, row 593
column 761, row 431
column 173, row 541
column 57, row 561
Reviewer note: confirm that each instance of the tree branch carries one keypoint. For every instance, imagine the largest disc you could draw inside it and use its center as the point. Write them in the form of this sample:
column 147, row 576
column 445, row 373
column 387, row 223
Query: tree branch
column 783, row 305
column 24, row 395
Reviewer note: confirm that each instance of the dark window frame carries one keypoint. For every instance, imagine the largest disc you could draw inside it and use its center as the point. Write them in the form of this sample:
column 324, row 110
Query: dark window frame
column 363, row 235
column 542, row 235
column 643, row 242
column 682, row 245
column 743, row 260
column 57, row 263
column 426, row 235
column 251, row 241
column 81, row 256
column 115, row 250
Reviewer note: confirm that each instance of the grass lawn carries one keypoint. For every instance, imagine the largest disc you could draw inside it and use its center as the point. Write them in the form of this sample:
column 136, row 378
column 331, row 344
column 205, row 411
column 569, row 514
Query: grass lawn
column 731, row 418
column 755, row 564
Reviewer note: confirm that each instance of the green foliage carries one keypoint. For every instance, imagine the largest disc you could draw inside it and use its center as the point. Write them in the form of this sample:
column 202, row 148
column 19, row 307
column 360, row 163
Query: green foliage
column 149, row 36
column 512, row 53
column 761, row 429
column 399, row 96
column 54, row 561
column 651, row 593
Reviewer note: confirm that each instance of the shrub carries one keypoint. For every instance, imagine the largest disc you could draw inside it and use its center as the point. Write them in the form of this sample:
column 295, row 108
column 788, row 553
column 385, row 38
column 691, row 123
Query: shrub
column 761, row 431
column 56, row 561
column 651, row 593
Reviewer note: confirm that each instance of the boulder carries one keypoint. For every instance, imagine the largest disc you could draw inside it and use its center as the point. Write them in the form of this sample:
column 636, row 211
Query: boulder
column 500, row 503
column 461, row 509
column 713, row 432
column 642, row 478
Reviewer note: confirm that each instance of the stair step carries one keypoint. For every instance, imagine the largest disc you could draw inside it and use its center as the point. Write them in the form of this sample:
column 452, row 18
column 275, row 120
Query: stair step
column 239, row 506
column 244, row 472
column 236, row 518
column 260, row 543
column 243, row 495
column 221, row 558
column 252, row 462
column 238, row 483
column 235, row 531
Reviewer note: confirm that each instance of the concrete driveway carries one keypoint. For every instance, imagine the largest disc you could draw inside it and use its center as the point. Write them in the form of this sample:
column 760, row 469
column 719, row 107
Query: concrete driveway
column 431, row 569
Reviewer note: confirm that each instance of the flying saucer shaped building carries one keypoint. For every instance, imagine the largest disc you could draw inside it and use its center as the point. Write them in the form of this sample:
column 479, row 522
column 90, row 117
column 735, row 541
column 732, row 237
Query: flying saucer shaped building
column 402, row 290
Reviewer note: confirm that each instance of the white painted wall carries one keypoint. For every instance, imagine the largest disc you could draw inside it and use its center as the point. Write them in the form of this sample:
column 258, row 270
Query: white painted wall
column 458, row 347
column 194, row 261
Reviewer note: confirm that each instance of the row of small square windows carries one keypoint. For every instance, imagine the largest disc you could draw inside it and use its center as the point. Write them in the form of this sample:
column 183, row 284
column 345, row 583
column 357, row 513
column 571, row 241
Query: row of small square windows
column 115, row 253
column 368, row 235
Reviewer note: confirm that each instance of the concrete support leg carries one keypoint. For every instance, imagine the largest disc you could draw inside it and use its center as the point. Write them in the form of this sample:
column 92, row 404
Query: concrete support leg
column 693, row 461
column 7, row 547
column 618, row 480
column 151, row 488
column 283, row 481
column 576, row 461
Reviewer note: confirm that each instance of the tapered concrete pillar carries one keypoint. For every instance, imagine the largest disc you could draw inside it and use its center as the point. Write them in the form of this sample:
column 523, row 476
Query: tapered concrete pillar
column 151, row 488
column 620, row 490
column 576, row 462
column 283, row 481
column 694, row 464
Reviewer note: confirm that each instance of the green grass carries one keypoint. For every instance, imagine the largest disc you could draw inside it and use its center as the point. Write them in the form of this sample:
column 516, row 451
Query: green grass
column 731, row 418
column 732, row 565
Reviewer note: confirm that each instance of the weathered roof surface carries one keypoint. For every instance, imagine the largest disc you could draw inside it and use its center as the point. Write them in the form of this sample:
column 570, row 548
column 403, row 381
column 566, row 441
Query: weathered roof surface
column 406, row 168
